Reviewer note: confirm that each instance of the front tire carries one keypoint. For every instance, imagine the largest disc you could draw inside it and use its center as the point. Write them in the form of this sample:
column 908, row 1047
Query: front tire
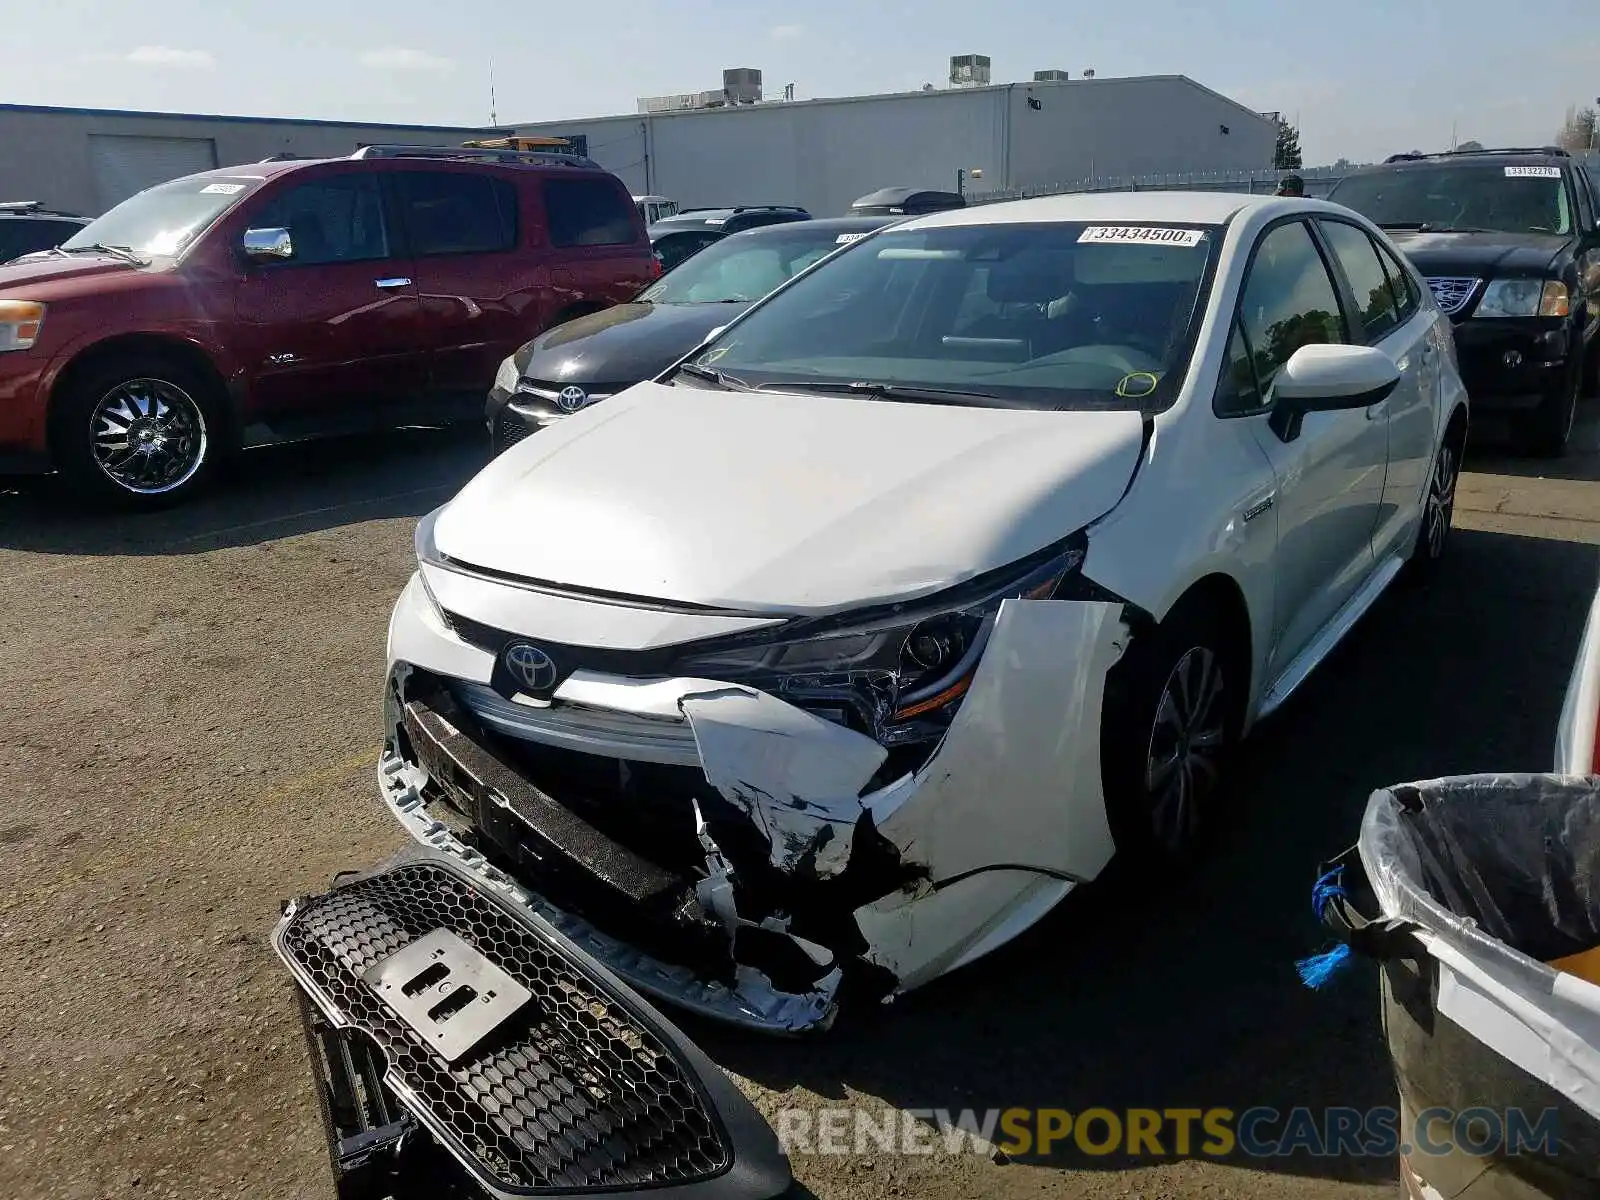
column 1549, row 427
column 1438, row 510
column 1171, row 723
column 138, row 432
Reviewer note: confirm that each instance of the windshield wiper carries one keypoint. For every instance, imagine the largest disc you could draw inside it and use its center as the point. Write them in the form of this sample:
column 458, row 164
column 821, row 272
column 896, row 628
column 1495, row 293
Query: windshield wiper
column 712, row 375
column 886, row 391
column 126, row 253
column 1437, row 227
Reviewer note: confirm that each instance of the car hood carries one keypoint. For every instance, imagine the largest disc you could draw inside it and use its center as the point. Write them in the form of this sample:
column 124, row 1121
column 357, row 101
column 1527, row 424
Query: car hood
column 52, row 276
column 773, row 502
column 1480, row 255
column 622, row 344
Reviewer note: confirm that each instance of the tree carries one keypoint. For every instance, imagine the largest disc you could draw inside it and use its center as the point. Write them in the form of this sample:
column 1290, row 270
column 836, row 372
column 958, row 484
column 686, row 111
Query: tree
column 1287, row 155
column 1470, row 146
column 1578, row 130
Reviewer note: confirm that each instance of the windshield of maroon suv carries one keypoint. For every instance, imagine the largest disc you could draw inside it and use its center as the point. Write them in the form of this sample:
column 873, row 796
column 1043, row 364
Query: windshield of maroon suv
column 1040, row 316
column 1461, row 198
column 165, row 219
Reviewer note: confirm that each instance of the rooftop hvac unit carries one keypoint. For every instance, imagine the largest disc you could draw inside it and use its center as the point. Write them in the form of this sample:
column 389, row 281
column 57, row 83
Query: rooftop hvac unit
column 742, row 85
column 1051, row 76
column 969, row 70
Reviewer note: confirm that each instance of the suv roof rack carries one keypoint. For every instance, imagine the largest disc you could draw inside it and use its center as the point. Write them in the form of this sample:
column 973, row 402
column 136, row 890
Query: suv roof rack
column 1553, row 151
column 528, row 158
column 21, row 205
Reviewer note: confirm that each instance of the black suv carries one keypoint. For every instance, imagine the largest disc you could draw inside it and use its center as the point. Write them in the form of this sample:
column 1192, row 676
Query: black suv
column 691, row 230
column 1509, row 243
column 26, row 226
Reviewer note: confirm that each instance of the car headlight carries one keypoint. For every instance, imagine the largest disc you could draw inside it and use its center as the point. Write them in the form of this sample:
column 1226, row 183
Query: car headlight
column 507, row 377
column 20, row 322
column 1524, row 298
column 897, row 674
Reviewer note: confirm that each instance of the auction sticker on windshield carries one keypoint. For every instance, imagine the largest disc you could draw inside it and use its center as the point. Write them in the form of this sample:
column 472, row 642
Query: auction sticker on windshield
column 222, row 189
column 1533, row 172
column 1141, row 235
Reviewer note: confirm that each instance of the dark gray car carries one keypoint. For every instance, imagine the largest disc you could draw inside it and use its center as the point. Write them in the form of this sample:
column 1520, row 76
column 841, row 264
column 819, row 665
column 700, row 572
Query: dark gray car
column 573, row 365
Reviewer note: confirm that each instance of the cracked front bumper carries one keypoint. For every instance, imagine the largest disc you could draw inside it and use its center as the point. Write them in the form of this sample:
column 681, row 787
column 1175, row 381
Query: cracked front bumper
column 895, row 885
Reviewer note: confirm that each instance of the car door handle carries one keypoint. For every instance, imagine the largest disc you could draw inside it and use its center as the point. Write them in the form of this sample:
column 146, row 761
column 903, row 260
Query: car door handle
column 397, row 281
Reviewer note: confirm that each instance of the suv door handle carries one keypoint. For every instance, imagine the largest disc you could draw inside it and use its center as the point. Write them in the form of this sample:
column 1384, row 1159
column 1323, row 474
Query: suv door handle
column 397, row 281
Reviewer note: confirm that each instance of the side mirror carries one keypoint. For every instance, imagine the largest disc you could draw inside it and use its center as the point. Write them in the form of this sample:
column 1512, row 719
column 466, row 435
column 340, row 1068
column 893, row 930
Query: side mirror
column 713, row 334
column 268, row 245
column 1324, row 378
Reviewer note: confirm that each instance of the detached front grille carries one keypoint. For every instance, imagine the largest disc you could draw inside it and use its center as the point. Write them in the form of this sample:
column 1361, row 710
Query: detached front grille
column 1452, row 293
column 573, row 1090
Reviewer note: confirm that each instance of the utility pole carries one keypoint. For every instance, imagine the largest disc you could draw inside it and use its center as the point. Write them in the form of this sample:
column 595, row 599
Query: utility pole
column 494, row 122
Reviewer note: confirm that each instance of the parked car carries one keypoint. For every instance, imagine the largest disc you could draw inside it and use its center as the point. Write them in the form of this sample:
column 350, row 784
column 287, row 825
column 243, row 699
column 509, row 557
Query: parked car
column 655, row 208
column 27, row 226
column 906, row 201
column 285, row 300
column 693, row 229
column 851, row 645
column 1509, row 243
column 1578, row 734
column 593, row 357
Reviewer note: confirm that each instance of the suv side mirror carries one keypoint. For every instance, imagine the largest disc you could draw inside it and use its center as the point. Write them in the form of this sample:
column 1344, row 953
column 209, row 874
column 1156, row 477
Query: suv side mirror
column 1329, row 378
column 268, row 245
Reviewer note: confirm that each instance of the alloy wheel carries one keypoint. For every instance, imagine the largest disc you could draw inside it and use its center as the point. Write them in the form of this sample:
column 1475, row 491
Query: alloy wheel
column 1441, row 502
column 148, row 436
column 1187, row 739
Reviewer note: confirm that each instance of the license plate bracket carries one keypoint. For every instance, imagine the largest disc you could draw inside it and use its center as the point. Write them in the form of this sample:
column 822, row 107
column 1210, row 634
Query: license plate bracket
column 448, row 992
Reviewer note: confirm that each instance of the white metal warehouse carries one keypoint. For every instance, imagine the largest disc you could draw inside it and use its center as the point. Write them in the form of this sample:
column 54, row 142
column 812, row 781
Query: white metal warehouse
column 823, row 154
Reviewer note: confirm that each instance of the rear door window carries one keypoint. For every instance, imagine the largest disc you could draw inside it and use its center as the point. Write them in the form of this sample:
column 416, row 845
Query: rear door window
column 457, row 212
column 1378, row 310
column 588, row 212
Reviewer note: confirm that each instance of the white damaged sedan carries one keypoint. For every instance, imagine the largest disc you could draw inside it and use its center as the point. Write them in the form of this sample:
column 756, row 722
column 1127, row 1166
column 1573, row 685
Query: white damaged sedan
column 837, row 656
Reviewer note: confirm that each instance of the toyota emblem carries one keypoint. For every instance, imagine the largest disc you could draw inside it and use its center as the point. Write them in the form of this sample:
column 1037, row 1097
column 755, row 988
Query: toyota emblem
column 531, row 667
column 571, row 399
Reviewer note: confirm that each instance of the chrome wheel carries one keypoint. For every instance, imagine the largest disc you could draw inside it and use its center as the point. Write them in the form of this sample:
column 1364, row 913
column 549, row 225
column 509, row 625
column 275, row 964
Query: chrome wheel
column 1186, row 743
column 1441, row 502
column 148, row 436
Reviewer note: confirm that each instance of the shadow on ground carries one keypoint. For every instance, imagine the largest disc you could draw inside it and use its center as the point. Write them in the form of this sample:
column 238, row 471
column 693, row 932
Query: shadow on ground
column 1184, row 994
column 1491, row 448
column 269, row 493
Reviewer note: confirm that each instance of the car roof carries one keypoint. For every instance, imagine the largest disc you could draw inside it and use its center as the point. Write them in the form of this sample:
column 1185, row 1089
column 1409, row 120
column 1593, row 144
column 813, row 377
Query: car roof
column 692, row 216
column 1192, row 208
column 900, row 195
column 821, row 226
column 1514, row 157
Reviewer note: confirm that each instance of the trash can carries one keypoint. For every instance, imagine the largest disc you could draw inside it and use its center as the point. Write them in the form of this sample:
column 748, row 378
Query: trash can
column 1465, row 892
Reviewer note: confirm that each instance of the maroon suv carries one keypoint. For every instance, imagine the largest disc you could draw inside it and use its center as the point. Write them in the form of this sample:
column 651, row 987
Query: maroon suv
column 285, row 300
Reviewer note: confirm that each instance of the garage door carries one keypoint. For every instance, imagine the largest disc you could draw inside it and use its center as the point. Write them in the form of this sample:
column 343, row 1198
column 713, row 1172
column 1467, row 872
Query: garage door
column 125, row 165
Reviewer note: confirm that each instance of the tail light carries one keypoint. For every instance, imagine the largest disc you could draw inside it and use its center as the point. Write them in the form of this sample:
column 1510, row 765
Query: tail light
column 654, row 270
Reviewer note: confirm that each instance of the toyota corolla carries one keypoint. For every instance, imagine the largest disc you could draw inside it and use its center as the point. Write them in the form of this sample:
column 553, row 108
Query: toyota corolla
column 836, row 656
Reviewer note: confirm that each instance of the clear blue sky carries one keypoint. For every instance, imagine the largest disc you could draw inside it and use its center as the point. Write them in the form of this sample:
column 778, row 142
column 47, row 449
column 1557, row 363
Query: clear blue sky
column 1366, row 77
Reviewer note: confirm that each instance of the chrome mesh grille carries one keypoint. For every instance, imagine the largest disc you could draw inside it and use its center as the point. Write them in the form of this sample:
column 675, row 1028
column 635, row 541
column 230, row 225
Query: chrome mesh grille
column 1452, row 292
column 574, row 1092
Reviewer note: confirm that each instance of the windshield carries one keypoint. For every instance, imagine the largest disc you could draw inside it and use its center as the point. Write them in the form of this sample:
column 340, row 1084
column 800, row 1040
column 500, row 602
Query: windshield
column 164, row 219
column 1021, row 316
column 1514, row 198
column 744, row 266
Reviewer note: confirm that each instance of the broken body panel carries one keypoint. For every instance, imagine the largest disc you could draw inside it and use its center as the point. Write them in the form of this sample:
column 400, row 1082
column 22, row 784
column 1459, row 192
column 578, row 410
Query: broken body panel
column 903, row 881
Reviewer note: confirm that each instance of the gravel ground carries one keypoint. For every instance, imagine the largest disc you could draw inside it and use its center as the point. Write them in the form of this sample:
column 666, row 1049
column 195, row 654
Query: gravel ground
column 190, row 709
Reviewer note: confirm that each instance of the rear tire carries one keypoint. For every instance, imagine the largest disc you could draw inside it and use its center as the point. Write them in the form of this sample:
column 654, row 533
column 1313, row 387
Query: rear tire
column 138, row 432
column 1549, row 427
column 1171, row 722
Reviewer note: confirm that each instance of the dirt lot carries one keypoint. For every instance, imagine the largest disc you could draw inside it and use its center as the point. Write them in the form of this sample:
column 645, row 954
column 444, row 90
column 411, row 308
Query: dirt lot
column 189, row 712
